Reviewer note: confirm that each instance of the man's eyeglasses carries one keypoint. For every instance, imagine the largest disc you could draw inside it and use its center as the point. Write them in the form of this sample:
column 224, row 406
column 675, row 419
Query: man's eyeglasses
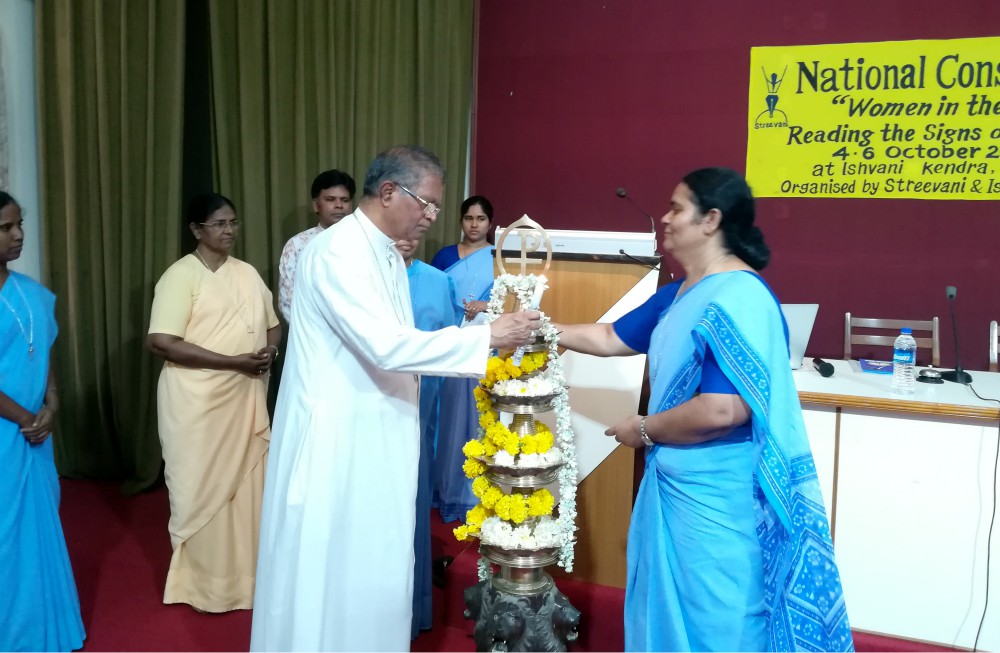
column 222, row 224
column 430, row 208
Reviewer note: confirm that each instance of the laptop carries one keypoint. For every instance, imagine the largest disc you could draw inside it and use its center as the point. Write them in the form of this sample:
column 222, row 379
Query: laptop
column 800, row 319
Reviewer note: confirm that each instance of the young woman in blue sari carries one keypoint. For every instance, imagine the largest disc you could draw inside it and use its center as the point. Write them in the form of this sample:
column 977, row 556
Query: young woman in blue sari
column 39, row 607
column 470, row 265
column 729, row 548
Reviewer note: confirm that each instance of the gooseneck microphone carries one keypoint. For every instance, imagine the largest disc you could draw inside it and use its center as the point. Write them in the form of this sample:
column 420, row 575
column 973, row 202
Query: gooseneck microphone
column 957, row 375
column 825, row 369
column 622, row 193
column 638, row 260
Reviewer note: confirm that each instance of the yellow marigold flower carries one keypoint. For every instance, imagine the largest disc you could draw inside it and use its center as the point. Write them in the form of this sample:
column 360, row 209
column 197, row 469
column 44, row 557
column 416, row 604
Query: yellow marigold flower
column 513, row 371
column 494, row 367
column 461, row 533
column 518, row 509
column 497, row 433
column 491, row 497
column 476, row 516
column 486, row 418
column 480, row 393
column 529, row 444
column 480, row 485
column 473, row 449
column 491, row 447
column 502, row 507
column 540, row 503
column 533, row 361
column 512, row 444
column 473, row 468
column 544, row 441
column 540, row 427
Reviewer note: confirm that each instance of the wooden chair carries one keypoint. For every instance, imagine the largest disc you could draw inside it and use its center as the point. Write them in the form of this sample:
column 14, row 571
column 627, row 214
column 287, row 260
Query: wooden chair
column 933, row 342
column 993, row 346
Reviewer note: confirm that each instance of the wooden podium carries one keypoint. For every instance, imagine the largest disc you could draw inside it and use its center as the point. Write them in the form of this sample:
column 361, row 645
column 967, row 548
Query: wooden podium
column 582, row 288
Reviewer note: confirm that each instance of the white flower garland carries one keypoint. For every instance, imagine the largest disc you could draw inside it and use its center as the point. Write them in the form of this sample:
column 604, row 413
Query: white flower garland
column 561, row 531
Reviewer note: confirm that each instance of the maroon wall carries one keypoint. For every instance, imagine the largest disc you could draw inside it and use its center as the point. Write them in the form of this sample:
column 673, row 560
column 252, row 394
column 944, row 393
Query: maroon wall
column 577, row 97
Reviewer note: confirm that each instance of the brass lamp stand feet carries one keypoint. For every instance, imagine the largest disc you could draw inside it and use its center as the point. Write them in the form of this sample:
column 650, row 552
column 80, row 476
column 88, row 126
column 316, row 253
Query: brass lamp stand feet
column 521, row 610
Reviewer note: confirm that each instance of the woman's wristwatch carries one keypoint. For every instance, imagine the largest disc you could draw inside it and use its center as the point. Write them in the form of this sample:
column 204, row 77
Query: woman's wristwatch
column 642, row 433
column 275, row 351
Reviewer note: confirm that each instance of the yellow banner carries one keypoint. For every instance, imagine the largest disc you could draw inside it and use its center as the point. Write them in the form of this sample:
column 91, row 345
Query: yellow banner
column 898, row 119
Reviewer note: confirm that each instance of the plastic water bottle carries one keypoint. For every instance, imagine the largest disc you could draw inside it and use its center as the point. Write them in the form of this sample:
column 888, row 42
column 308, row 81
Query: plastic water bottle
column 904, row 359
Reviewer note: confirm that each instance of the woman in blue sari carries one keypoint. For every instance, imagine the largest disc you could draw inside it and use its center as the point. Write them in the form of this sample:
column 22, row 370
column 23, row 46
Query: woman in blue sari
column 470, row 265
column 435, row 306
column 729, row 547
column 39, row 607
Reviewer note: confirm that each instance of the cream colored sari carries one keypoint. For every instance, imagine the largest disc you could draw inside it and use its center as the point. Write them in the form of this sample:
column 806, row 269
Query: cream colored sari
column 214, row 430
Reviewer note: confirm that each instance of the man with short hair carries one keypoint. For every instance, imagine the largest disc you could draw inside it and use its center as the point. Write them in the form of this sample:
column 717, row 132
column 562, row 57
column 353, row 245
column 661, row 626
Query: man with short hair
column 333, row 197
column 335, row 567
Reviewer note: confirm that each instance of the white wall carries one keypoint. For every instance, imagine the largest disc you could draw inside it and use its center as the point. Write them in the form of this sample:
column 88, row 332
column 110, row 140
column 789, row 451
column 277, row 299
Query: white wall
column 20, row 148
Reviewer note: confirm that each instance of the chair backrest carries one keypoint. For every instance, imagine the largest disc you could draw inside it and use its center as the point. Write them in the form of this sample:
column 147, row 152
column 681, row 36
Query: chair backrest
column 850, row 338
column 993, row 346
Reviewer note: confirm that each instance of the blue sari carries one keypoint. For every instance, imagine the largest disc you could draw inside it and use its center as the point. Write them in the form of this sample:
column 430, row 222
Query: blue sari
column 39, row 607
column 435, row 306
column 473, row 277
column 729, row 547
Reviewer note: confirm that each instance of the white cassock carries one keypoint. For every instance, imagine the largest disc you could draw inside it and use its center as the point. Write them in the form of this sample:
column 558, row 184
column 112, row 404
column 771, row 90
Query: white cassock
column 335, row 568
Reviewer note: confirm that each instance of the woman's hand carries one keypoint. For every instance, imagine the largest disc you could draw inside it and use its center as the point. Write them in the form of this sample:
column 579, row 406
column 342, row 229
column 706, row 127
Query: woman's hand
column 272, row 355
column 627, row 432
column 253, row 364
column 40, row 427
column 473, row 308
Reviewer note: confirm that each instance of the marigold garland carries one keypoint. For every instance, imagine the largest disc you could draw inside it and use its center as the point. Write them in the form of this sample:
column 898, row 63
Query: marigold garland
column 495, row 437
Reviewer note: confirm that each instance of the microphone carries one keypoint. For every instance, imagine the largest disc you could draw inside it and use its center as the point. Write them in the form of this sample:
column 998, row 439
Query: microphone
column 957, row 375
column 622, row 193
column 825, row 369
column 638, row 260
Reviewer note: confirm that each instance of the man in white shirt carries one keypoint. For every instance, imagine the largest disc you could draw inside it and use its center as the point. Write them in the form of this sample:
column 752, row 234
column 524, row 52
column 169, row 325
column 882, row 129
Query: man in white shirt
column 335, row 568
column 333, row 198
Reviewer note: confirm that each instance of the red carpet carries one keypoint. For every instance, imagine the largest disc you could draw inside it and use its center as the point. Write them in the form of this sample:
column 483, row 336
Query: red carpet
column 120, row 551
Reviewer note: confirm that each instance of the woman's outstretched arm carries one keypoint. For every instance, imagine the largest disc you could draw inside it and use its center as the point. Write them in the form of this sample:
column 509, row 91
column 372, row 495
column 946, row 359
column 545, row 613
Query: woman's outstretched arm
column 594, row 339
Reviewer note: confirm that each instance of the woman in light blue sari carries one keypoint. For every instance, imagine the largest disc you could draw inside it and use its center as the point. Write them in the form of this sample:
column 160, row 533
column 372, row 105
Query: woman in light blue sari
column 470, row 265
column 39, row 608
column 729, row 547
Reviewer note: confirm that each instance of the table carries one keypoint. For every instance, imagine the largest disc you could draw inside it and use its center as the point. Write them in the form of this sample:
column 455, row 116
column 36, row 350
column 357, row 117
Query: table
column 908, row 482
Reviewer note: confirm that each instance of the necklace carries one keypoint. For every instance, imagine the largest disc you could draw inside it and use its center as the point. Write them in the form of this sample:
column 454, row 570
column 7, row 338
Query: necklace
column 203, row 261
column 393, row 297
column 29, row 335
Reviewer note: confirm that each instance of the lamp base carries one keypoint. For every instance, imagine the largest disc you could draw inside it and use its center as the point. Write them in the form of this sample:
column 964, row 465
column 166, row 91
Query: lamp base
column 957, row 376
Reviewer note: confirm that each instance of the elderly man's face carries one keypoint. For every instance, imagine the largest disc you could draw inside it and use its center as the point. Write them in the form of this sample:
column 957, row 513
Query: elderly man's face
column 411, row 218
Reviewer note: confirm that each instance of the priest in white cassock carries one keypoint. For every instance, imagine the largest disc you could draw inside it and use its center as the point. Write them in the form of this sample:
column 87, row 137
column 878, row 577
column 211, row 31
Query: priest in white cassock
column 335, row 568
